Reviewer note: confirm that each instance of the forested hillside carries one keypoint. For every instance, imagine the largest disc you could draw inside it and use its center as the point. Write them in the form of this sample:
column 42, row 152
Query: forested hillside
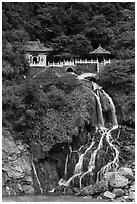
column 72, row 29
column 51, row 121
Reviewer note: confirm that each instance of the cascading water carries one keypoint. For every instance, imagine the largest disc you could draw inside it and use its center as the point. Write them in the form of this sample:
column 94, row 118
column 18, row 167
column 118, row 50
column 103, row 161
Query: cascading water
column 35, row 173
column 113, row 110
column 104, row 143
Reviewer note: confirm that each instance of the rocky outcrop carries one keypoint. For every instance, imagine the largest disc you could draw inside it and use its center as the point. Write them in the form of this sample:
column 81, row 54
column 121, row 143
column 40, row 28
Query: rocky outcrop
column 18, row 173
column 116, row 180
column 16, row 167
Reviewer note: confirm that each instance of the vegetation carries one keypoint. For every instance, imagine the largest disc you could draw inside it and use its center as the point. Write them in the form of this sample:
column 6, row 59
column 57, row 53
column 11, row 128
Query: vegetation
column 54, row 107
column 47, row 113
column 72, row 29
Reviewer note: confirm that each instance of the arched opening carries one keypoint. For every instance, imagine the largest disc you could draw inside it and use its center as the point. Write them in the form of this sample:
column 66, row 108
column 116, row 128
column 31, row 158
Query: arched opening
column 69, row 69
column 35, row 60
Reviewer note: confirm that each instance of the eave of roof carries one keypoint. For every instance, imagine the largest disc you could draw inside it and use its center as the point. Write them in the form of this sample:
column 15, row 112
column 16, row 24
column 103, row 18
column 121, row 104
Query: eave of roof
column 36, row 46
column 100, row 50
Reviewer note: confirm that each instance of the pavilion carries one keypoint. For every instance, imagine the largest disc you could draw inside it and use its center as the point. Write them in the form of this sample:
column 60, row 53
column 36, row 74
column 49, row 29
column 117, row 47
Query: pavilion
column 102, row 57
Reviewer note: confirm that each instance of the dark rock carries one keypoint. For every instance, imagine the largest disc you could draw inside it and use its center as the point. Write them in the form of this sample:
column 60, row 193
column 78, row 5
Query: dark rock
column 116, row 180
column 118, row 192
column 28, row 189
column 126, row 192
column 68, row 191
column 4, row 191
column 76, row 190
column 101, row 186
column 87, row 191
column 88, row 179
column 59, row 189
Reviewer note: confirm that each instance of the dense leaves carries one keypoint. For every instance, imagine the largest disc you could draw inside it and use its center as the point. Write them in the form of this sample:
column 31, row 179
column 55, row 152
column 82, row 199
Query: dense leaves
column 53, row 106
column 72, row 28
column 119, row 80
column 48, row 116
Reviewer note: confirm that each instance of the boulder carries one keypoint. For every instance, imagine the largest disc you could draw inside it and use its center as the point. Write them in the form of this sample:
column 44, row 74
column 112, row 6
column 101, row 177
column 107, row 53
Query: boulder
column 109, row 195
column 116, row 180
column 76, row 189
column 118, row 192
column 132, row 195
column 127, row 172
column 132, row 188
column 101, row 186
column 87, row 191
column 28, row 189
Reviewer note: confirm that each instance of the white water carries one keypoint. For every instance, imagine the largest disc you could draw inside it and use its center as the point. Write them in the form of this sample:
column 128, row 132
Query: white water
column 99, row 110
column 35, row 172
column 113, row 110
column 105, row 133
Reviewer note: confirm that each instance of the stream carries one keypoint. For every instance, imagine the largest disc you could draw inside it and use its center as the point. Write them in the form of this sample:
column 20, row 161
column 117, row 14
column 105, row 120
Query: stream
column 51, row 198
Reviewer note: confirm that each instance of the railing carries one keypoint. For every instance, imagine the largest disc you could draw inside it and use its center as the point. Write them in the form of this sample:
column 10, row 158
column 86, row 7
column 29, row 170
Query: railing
column 74, row 62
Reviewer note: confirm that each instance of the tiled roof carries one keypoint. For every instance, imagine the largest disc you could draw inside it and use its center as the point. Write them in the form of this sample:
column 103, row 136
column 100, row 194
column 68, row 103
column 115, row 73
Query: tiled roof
column 100, row 50
column 36, row 46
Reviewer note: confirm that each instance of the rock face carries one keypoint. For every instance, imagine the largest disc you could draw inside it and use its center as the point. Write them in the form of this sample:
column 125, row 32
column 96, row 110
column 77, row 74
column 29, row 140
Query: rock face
column 118, row 192
column 127, row 172
column 18, row 173
column 116, row 180
column 101, row 186
column 16, row 167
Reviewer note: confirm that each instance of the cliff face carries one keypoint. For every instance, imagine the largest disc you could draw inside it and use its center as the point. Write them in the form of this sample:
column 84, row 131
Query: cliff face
column 57, row 122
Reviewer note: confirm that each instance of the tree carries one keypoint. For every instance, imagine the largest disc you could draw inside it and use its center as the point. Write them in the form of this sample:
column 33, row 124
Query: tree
column 98, row 31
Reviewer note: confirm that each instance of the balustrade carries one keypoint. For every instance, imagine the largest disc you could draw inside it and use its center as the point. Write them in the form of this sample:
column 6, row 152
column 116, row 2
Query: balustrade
column 77, row 61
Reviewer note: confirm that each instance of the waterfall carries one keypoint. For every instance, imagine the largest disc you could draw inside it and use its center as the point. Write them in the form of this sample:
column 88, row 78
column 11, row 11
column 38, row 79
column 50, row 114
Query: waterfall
column 99, row 110
column 66, row 165
column 78, row 167
column 113, row 165
column 104, row 143
column 113, row 110
column 35, row 172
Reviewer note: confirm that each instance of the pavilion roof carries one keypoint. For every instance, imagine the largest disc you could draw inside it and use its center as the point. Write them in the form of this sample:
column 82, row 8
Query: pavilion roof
column 100, row 50
column 37, row 46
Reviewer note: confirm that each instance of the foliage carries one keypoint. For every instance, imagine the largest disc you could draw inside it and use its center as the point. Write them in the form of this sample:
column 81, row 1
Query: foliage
column 48, row 116
column 118, row 79
column 14, row 61
column 74, row 28
column 50, row 107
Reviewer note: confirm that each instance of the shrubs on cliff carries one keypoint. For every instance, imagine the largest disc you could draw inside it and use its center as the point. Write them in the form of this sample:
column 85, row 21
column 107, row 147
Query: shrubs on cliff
column 49, row 111
column 118, row 79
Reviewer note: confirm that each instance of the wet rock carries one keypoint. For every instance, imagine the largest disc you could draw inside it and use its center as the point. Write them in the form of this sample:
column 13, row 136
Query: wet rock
column 132, row 195
column 109, row 195
column 28, row 189
column 125, row 199
column 101, row 186
column 116, row 180
column 4, row 191
column 126, row 192
column 76, row 190
column 127, row 172
column 16, row 164
column 27, row 180
column 87, row 191
column 59, row 189
column 118, row 192
column 88, row 179
column 68, row 191
column 132, row 188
